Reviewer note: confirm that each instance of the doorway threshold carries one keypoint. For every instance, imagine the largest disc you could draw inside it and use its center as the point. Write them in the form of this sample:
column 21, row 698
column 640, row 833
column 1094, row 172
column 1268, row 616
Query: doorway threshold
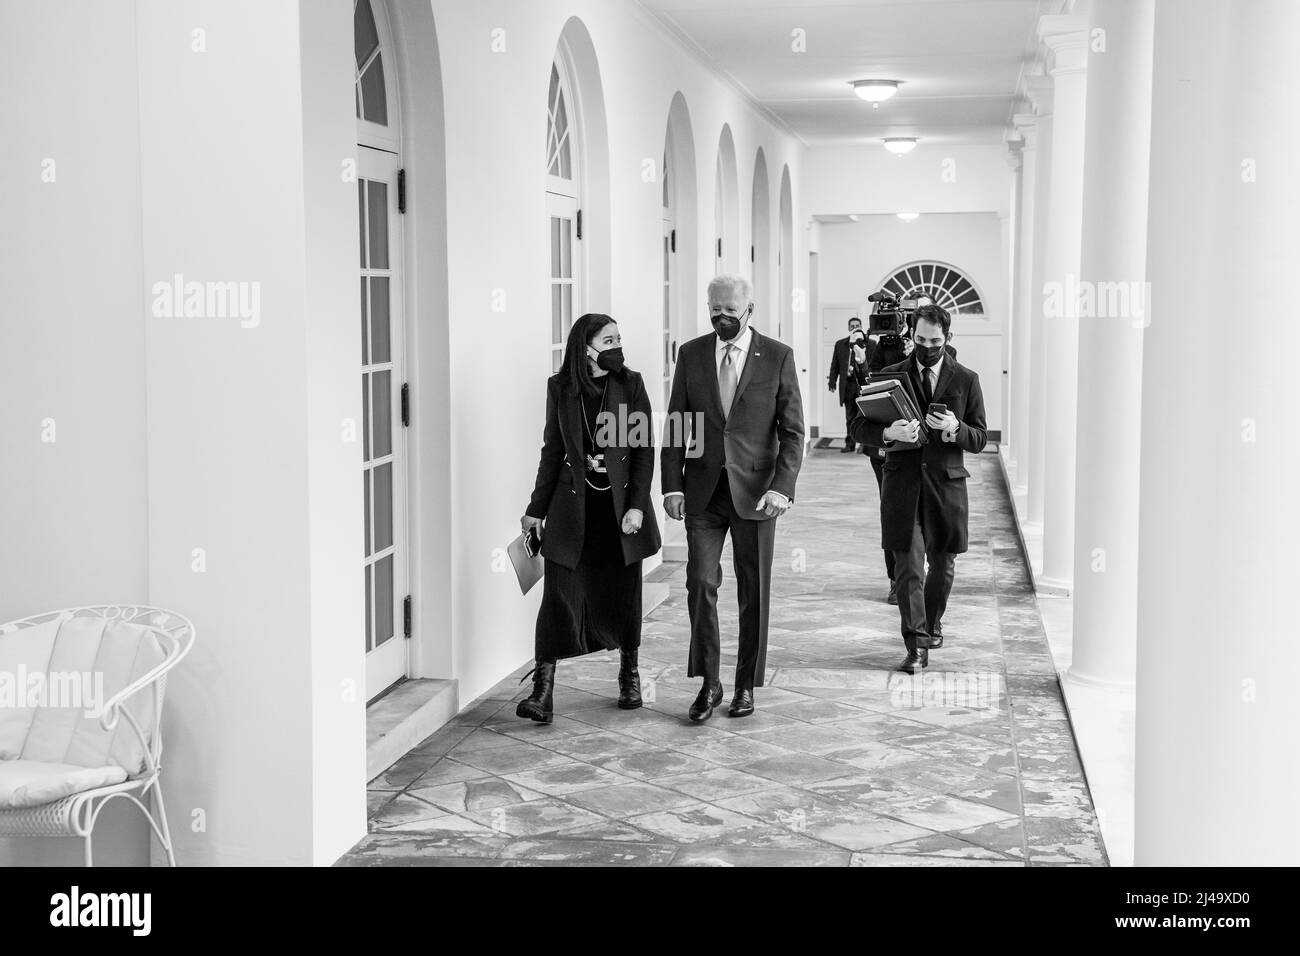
column 399, row 720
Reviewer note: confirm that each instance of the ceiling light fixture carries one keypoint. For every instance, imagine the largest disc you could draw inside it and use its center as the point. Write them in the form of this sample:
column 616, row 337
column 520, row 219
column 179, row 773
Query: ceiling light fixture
column 875, row 91
column 907, row 216
column 900, row 144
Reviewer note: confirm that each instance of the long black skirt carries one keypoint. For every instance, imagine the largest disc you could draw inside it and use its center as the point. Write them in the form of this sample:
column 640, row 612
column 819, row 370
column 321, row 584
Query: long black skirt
column 597, row 605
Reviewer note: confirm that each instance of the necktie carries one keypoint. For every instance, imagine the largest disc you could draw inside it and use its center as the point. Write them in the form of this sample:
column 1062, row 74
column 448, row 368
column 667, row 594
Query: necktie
column 929, row 388
column 727, row 380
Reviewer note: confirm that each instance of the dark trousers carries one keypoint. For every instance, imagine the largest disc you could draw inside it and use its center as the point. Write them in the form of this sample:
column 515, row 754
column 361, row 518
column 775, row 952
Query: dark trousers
column 877, row 465
column 850, row 411
column 922, row 595
column 751, row 555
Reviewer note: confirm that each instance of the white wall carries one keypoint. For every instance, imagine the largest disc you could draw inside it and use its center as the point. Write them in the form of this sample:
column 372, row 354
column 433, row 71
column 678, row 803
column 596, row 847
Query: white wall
column 856, row 257
column 73, row 511
column 931, row 178
column 495, row 111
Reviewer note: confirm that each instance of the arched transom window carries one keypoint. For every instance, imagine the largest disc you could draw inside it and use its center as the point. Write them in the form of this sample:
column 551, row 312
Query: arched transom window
column 559, row 158
column 942, row 284
column 563, row 197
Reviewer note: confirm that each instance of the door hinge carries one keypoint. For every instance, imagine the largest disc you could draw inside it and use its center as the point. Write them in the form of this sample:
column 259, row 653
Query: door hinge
column 672, row 240
column 401, row 191
column 406, row 616
column 406, row 403
column 751, row 253
column 578, row 224
column 719, row 248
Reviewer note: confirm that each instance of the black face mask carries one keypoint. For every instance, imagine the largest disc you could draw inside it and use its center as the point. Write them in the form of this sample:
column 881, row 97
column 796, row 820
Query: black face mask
column 726, row 326
column 928, row 355
column 611, row 360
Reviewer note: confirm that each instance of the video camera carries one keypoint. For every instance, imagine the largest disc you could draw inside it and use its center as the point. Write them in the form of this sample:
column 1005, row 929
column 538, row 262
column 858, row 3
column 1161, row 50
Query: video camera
column 889, row 317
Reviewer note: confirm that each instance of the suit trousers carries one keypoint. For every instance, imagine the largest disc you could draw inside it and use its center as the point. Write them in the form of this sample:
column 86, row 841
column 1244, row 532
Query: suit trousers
column 850, row 412
column 751, row 554
column 922, row 594
column 878, row 465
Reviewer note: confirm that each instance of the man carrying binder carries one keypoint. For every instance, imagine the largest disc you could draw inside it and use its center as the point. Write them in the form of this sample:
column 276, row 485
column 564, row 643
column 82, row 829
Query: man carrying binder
column 924, row 509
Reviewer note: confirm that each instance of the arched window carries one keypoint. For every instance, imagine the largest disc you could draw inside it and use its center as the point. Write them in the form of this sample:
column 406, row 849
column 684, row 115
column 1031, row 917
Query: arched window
column 942, row 284
column 374, row 80
column 563, row 195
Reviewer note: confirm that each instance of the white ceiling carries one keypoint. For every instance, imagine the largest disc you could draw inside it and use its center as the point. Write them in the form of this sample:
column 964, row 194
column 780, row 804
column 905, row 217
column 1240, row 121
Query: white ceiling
column 959, row 62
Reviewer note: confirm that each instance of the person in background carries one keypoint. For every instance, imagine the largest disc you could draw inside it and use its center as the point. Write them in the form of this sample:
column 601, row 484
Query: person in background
column 863, row 355
column 591, row 507
column 924, row 507
column 841, row 380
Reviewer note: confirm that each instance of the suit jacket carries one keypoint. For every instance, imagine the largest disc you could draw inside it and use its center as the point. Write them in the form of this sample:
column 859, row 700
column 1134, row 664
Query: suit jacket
column 760, row 442
column 839, row 378
column 930, row 480
column 559, row 493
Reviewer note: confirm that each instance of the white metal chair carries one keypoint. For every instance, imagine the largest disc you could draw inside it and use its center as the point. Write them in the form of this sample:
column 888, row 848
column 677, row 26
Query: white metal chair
column 130, row 649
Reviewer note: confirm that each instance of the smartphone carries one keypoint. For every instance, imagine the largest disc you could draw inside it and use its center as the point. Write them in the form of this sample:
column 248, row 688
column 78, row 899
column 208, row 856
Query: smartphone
column 937, row 409
column 532, row 543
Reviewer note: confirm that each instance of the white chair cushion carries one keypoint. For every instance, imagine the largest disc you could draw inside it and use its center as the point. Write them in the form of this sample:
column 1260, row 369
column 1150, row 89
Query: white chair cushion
column 23, row 652
column 31, row 783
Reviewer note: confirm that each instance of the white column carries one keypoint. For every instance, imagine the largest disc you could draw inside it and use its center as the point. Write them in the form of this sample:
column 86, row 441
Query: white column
column 1217, row 710
column 1113, row 266
column 1040, row 94
column 1021, row 354
column 1066, row 38
column 1010, row 246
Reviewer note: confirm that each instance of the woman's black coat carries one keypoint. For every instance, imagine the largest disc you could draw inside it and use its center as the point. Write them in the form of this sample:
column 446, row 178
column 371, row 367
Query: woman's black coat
column 558, row 493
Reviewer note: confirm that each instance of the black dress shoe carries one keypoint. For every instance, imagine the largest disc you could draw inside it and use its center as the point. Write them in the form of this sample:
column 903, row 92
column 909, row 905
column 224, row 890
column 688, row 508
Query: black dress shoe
column 742, row 705
column 915, row 660
column 936, row 636
column 710, row 696
column 893, row 593
column 848, row 448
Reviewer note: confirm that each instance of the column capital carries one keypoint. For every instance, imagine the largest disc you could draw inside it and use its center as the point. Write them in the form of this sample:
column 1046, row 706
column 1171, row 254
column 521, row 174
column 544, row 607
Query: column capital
column 1066, row 39
column 1038, row 91
column 1026, row 125
column 1015, row 143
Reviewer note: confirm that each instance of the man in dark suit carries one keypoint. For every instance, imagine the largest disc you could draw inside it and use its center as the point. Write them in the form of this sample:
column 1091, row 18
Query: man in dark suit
column 842, row 381
column 924, row 509
column 739, row 477
column 873, row 355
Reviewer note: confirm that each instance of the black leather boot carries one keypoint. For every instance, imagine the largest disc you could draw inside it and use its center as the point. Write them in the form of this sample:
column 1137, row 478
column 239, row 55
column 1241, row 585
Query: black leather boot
column 629, row 680
column 539, row 705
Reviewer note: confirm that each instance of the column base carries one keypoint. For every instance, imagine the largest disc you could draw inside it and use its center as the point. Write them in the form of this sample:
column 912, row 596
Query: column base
column 1074, row 677
column 1057, row 587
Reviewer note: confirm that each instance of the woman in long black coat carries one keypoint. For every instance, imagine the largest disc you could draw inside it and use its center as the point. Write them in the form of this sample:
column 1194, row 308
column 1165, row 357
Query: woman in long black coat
column 591, row 508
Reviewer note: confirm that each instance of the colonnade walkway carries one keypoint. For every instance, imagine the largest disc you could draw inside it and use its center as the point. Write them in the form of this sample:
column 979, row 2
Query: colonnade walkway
column 845, row 761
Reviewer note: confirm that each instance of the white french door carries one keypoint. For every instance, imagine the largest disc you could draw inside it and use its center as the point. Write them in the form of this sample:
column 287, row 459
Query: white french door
column 383, row 469
column 562, row 215
column 670, row 324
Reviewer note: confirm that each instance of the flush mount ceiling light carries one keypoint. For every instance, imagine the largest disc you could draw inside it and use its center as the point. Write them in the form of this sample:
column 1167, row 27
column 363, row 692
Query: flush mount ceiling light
column 907, row 216
column 900, row 144
column 875, row 91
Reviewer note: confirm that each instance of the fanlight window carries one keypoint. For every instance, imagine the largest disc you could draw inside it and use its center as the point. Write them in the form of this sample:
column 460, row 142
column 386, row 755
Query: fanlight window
column 372, row 97
column 941, row 284
column 558, row 160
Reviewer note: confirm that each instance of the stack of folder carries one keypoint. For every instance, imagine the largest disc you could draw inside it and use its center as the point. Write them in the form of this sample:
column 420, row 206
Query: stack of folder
column 888, row 398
